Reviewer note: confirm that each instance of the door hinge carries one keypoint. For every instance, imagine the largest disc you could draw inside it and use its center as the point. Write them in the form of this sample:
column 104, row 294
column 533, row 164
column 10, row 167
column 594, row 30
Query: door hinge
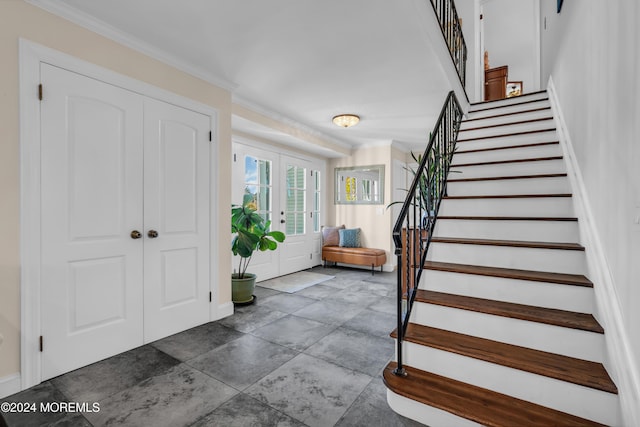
column 210, row 136
column 41, row 343
column 481, row 16
column 210, row 296
column 234, row 157
column 40, row 91
column 310, row 256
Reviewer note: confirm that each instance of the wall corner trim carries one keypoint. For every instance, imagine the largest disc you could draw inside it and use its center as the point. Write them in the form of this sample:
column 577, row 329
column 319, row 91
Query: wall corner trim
column 619, row 357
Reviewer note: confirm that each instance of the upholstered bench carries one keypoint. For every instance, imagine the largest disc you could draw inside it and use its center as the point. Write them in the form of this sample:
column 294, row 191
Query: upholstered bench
column 343, row 245
column 355, row 256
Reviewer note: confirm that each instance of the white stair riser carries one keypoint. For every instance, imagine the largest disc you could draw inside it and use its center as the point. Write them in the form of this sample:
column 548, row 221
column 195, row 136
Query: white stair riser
column 539, row 336
column 539, row 231
column 475, row 114
column 540, row 294
column 508, row 169
column 502, row 130
column 534, row 206
column 562, row 396
column 554, row 185
column 517, row 153
column 507, row 141
column 519, row 117
column 510, row 101
column 427, row 415
column 550, row 260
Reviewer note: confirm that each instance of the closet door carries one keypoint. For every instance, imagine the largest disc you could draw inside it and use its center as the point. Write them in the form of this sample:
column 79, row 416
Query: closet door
column 176, row 219
column 92, row 198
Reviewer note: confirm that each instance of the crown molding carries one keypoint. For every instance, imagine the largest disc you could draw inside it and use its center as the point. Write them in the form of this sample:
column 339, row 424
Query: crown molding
column 95, row 25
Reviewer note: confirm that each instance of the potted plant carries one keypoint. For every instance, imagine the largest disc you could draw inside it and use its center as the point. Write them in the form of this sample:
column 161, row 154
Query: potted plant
column 251, row 233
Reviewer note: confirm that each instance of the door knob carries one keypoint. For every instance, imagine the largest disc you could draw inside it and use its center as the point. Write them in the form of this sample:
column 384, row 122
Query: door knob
column 152, row 234
column 282, row 221
column 135, row 234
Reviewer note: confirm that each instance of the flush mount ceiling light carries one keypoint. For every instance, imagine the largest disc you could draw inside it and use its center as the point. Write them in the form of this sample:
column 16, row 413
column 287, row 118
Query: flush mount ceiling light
column 346, row 120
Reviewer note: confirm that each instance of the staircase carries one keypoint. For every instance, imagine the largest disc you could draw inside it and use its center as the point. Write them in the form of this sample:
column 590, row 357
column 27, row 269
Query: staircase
column 501, row 332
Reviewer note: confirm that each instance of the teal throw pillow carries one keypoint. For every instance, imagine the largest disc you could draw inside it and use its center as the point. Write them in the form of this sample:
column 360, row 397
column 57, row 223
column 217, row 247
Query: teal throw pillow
column 350, row 237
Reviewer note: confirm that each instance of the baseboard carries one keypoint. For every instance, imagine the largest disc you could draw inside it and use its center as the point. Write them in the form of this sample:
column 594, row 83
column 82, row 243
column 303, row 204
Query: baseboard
column 9, row 385
column 619, row 357
column 224, row 310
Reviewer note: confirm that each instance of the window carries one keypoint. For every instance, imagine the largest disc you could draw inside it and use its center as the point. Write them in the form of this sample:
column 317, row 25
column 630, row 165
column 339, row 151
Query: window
column 315, row 214
column 259, row 183
column 296, row 200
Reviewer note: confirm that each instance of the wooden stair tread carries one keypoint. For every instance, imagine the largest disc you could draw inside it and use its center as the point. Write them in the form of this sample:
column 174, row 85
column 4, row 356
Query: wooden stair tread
column 510, row 273
column 534, row 110
column 529, row 132
column 475, row 403
column 563, row 368
column 520, row 97
column 509, row 147
column 531, row 101
column 548, row 316
column 502, row 162
column 508, row 196
column 522, row 122
column 498, row 178
column 512, row 243
column 507, row 218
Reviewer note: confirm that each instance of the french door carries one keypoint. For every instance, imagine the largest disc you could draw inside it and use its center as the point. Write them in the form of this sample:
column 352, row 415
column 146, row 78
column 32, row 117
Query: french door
column 125, row 214
column 286, row 191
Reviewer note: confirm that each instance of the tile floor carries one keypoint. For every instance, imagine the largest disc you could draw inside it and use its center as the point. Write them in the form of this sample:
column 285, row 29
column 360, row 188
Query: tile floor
column 312, row 358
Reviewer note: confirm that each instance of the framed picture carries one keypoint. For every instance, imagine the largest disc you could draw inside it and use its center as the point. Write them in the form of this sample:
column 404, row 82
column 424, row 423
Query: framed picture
column 560, row 5
column 514, row 89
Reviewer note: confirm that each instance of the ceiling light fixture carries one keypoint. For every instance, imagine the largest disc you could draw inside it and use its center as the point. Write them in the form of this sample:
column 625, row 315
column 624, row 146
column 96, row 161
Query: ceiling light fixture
column 346, row 120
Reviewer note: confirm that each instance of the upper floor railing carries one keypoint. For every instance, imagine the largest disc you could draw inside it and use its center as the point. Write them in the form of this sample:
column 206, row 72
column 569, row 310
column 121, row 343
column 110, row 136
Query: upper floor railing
column 451, row 27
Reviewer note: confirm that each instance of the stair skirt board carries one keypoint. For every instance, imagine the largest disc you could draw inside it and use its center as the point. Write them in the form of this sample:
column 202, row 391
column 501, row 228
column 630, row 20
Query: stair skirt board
column 542, row 294
column 538, row 336
column 546, row 206
column 560, row 395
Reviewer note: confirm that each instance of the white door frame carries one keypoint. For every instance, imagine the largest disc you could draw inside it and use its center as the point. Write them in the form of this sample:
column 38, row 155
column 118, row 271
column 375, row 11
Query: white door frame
column 30, row 56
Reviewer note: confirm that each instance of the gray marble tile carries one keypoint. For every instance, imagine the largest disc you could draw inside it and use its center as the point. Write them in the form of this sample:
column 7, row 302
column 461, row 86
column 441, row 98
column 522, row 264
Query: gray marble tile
column 179, row 397
column 371, row 409
column 242, row 362
column 294, row 332
column 243, row 411
column 317, row 291
column 196, row 341
column 38, row 416
column 310, row 390
column 373, row 322
column 354, row 350
column 250, row 318
column 330, row 312
column 286, row 303
column 354, row 295
column 385, row 305
column 261, row 292
column 114, row 374
column 373, row 288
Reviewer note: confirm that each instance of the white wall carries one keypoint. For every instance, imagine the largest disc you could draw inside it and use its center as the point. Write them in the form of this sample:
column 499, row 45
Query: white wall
column 468, row 12
column 510, row 29
column 592, row 52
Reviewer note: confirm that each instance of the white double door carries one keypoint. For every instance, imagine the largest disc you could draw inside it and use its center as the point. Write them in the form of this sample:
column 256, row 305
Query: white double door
column 125, row 220
column 287, row 191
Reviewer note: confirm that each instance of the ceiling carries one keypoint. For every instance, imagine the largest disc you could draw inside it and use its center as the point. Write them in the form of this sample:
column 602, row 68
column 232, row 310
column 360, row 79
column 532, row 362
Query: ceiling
column 294, row 62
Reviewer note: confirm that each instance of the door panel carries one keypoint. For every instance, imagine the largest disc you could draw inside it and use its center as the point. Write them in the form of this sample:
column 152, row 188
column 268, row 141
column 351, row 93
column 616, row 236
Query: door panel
column 176, row 201
column 91, row 173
